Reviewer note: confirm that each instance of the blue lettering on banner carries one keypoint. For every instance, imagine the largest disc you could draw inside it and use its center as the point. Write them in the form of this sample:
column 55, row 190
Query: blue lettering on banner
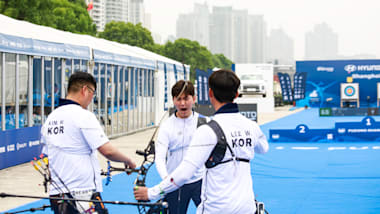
column 19, row 146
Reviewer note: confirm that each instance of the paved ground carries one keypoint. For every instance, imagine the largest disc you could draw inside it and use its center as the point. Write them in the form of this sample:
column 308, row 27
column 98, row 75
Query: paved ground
column 24, row 179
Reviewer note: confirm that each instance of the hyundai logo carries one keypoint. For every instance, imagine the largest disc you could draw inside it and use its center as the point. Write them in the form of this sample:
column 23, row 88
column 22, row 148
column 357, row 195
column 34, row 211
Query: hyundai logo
column 350, row 68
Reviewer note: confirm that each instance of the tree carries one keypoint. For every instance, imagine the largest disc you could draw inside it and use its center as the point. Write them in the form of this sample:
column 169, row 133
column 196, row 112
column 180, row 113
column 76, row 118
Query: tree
column 68, row 15
column 128, row 33
column 190, row 53
column 158, row 49
column 220, row 61
column 73, row 17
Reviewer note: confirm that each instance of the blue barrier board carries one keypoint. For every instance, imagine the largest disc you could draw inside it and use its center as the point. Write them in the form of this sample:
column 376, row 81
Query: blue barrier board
column 19, row 146
column 302, row 133
column 365, row 130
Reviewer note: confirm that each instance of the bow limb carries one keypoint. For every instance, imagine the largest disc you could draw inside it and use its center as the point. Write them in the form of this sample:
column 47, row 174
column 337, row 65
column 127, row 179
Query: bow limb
column 149, row 155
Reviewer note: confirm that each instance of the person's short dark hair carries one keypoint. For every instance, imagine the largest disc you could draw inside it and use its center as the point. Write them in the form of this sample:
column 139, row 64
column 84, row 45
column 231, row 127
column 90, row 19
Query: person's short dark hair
column 182, row 87
column 225, row 84
column 79, row 79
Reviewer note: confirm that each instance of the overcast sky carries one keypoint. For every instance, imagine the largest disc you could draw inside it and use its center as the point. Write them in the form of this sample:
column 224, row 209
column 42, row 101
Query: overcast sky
column 357, row 22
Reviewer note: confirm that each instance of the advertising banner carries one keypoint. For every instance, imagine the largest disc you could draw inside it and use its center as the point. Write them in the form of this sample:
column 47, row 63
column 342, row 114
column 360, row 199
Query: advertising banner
column 166, row 104
column 299, row 85
column 366, row 130
column 199, row 79
column 324, row 79
column 301, row 133
column 286, row 87
column 202, row 86
column 19, row 146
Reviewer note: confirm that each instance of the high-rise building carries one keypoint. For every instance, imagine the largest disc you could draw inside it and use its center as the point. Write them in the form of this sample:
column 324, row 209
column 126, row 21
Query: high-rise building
column 105, row 11
column 117, row 10
column 240, row 36
column 234, row 33
column 185, row 26
column 136, row 11
column 98, row 13
column 157, row 38
column 321, row 43
column 280, row 48
column 147, row 23
column 221, row 34
column 195, row 26
column 256, row 39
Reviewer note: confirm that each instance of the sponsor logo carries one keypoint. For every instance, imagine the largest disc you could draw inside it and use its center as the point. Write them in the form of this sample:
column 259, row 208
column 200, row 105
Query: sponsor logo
column 327, row 69
column 313, row 94
column 249, row 114
column 34, row 143
column 21, row 145
column 352, row 68
column 342, row 130
column 11, row 148
column 330, row 136
column 366, row 76
column 2, row 149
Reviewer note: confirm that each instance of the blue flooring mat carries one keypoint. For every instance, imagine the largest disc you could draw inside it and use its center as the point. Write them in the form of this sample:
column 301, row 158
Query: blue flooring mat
column 295, row 178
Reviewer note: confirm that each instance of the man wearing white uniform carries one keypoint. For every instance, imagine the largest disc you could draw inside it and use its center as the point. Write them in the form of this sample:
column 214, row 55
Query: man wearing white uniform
column 227, row 183
column 71, row 136
column 172, row 144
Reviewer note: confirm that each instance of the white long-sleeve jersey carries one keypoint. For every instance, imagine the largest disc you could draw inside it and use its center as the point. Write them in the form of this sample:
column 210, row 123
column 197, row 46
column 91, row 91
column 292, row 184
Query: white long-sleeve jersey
column 172, row 144
column 226, row 188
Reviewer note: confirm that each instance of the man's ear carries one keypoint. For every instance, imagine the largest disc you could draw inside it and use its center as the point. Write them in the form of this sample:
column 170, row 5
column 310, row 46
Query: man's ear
column 237, row 95
column 82, row 90
column 210, row 93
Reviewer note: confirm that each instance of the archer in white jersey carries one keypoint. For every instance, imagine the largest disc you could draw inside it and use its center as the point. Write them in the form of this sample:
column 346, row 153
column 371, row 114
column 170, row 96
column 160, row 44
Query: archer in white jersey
column 71, row 137
column 227, row 183
column 172, row 145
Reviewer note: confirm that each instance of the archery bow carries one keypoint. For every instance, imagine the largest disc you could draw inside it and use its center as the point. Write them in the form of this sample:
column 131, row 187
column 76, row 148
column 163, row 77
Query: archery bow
column 111, row 169
column 149, row 154
column 42, row 208
column 42, row 166
column 3, row 195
